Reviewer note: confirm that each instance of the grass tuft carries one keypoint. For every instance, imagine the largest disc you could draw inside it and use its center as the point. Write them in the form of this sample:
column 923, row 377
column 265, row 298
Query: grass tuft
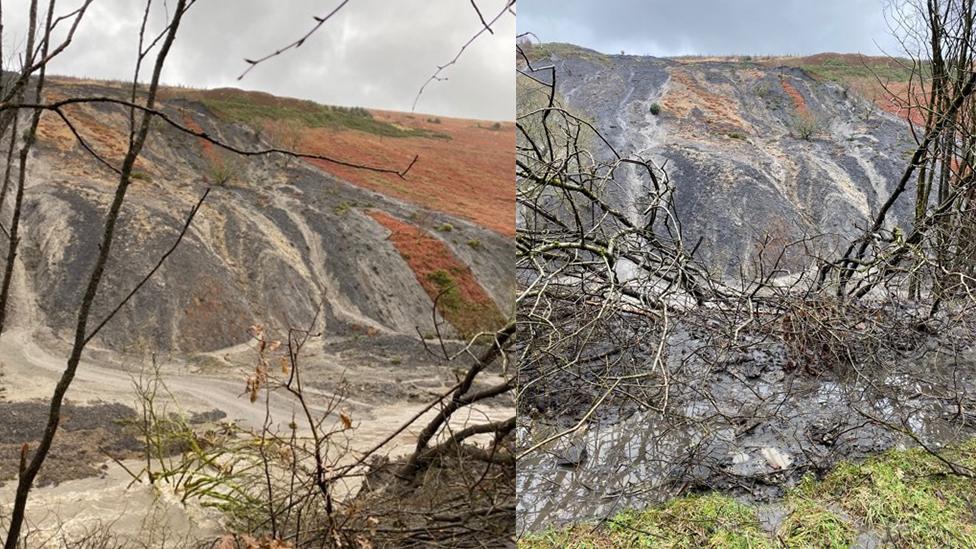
column 905, row 498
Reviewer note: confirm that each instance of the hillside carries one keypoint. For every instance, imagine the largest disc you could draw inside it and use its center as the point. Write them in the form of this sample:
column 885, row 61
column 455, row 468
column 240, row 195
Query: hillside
column 783, row 148
column 278, row 236
column 291, row 265
column 664, row 396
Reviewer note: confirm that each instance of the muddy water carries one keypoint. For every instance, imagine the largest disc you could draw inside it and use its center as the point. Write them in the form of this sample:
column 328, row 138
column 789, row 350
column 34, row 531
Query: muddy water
column 752, row 436
column 141, row 512
column 138, row 510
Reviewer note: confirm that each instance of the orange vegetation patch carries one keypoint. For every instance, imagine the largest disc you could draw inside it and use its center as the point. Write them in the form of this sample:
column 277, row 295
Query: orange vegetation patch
column 470, row 175
column 882, row 80
column 897, row 99
column 206, row 147
column 103, row 132
column 466, row 168
column 219, row 166
column 799, row 103
column 686, row 93
column 463, row 301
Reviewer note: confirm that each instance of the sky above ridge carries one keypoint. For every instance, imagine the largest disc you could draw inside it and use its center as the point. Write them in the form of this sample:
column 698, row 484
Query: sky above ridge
column 713, row 27
column 373, row 53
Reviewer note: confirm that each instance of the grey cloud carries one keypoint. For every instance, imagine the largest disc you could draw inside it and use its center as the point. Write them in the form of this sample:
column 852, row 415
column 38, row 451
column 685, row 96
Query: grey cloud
column 374, row 53
column 665, row 28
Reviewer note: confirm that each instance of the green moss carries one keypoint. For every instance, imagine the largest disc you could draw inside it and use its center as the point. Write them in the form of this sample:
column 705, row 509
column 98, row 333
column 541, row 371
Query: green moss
column 450, row 301
column 138, row 175
column 907, row 498
column 712, row 521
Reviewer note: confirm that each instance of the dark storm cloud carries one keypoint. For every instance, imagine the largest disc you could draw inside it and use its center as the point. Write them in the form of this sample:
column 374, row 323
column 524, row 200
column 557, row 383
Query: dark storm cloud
column 374, row 53
column 667, row 28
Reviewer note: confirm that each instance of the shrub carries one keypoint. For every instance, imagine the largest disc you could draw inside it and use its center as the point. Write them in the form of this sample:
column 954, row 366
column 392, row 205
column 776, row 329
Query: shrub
column 806, row 126
column 222, row 170
column 138, row 175
column 655, row 109
column 441, row 278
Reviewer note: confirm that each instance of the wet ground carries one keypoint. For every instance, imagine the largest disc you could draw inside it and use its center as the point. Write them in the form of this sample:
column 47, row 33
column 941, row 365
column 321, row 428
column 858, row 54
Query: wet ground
column 382, row 382
column 89, row 434
column 748, row 425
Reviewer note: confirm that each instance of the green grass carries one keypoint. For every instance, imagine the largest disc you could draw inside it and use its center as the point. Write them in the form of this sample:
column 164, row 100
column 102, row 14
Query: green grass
column 549, row 49
column 309, row 114
column 908, row 493
column 451, row 298
column 704, row 521
column 468, row 317
column 839, row 71
column 905, row 497
column 812, row 524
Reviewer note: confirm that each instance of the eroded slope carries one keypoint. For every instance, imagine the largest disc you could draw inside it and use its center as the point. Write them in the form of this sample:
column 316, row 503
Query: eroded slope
column 755, row 150
column 276, row 239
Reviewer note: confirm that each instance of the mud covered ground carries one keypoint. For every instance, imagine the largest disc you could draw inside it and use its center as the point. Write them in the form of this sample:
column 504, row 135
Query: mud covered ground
column 747, row 422
column 381, row 382
column 88, row 435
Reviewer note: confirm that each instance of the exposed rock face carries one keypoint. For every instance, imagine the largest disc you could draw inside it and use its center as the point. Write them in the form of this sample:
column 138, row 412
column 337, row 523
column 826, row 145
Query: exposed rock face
column 732, row 137
column 269, row 246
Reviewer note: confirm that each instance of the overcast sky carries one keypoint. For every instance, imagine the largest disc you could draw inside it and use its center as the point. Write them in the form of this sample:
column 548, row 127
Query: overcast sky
column 373, row 53
column 704, row 27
